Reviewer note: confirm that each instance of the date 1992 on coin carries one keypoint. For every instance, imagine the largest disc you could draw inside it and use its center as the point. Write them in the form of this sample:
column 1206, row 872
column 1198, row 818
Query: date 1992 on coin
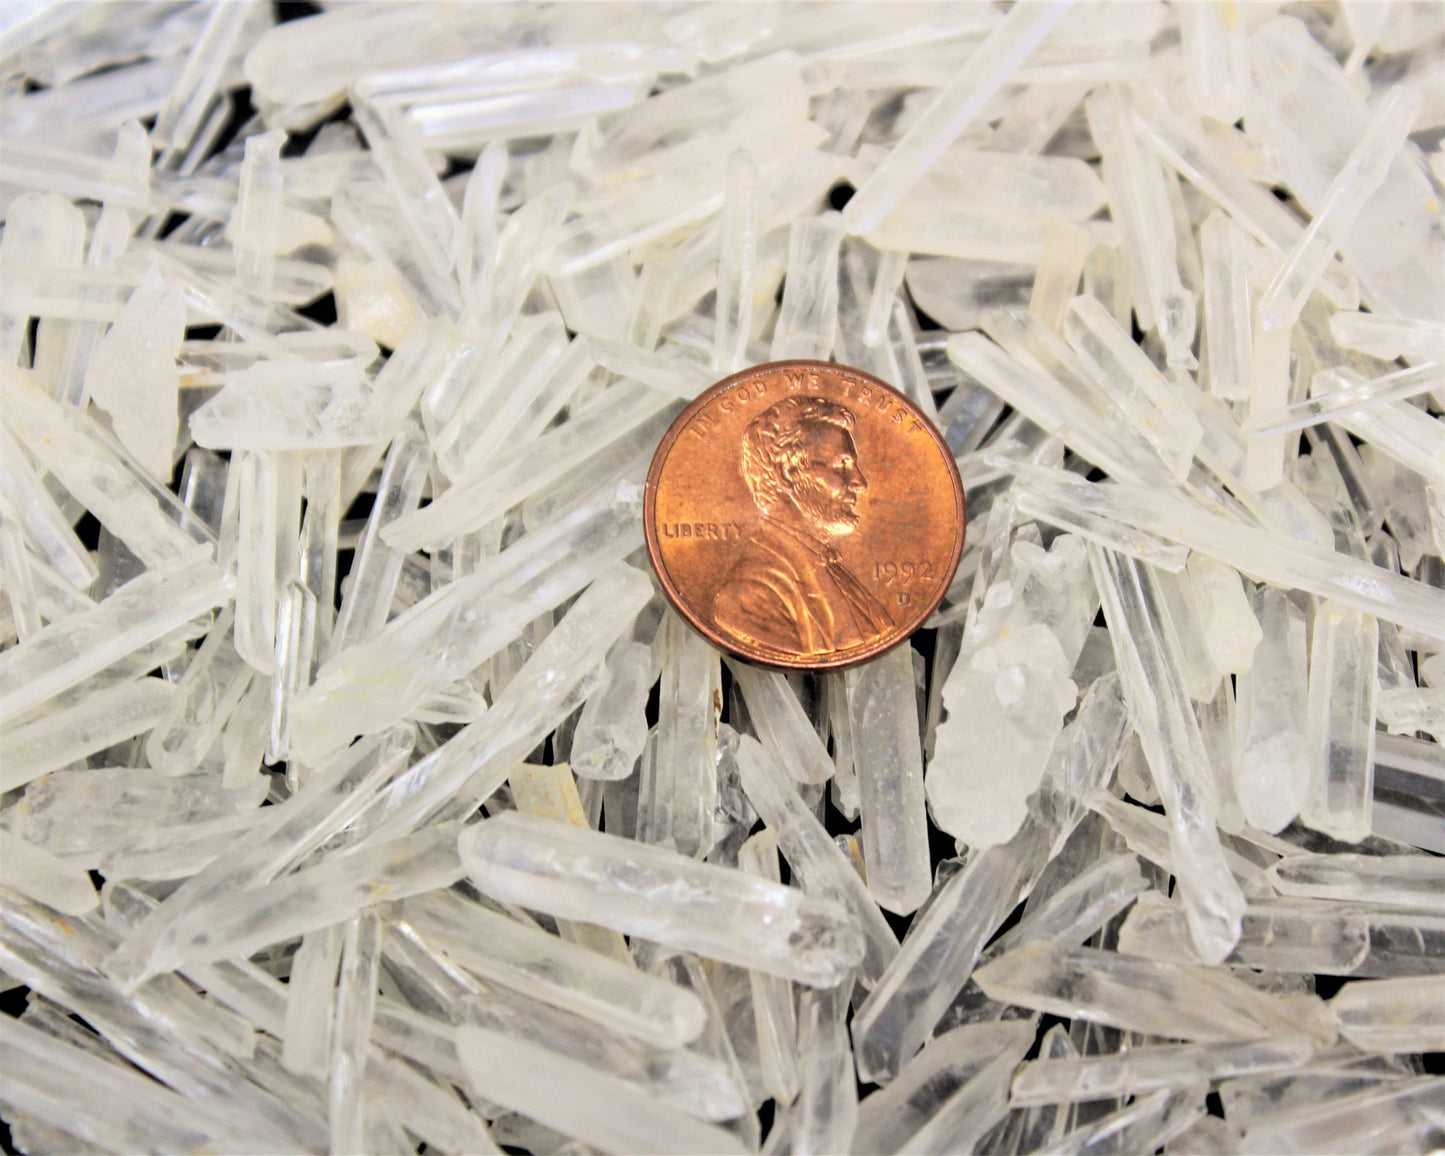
column 804, row 514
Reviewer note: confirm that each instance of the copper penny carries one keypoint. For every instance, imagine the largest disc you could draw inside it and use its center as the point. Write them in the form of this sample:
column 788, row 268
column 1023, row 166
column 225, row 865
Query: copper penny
column 804, row 514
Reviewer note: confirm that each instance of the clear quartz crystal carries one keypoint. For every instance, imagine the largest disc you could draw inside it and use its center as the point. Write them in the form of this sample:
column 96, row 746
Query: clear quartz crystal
column 1273, row 769
column 1147, row 653
column 817, row 860
column 952, row 111
column 1392, row 1015
column 772, row 997
column 808, row 323
column 1354, row 184
column 888, row 759
column 68, row 444
column 737, row 253
column 540, row 251
column 683, row 787
column 612, row 731
column 597, row 1108
column 619, row 884
column 1343, row 684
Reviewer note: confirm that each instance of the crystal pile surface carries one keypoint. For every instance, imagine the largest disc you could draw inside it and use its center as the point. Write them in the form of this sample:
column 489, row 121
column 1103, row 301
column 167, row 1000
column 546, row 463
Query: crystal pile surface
column 359, row 792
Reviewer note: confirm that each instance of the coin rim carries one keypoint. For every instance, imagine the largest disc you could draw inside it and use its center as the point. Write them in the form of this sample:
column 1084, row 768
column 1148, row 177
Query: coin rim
column 649, row 516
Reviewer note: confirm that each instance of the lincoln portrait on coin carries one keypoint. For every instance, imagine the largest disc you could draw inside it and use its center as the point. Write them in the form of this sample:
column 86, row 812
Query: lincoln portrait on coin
column 788, row 590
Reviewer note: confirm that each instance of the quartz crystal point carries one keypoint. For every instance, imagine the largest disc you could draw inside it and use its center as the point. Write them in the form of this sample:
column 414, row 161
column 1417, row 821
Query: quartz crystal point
column 888, row 758
column 1149, row 666
column 1273, row 768
column 143, row 610
column 1009, row 692
column 1139, row 390
column 316, row 897
column 1405, row 880
column 737, row 254
column 826, row 1110
column 1393, row 1015
column 1356, row 182
column 564, row 668
column 565, row 975
column 59, row 737
column 133, row 374
column 780, row 723
column 811, row 853
column 284, row 837
column 1179, row 1000
column 1138, row 199
column 452, row 631
column 681, row 792
column 306, row 1038
column 1048, row 1081
column 68, row 444
column 808, row 323
column 377, row 567
column 773, row 1010
column 597, row 1109
column 889, row 1119
column 663, row 896
column 952, row 111
column 290, row 404
column 351, row 1031
column 945, row 941
column 1339, row 791
column 1397, row 1115
column 1150, row 1122
column 612, row 730
column 36, row 873
column 1282, row 935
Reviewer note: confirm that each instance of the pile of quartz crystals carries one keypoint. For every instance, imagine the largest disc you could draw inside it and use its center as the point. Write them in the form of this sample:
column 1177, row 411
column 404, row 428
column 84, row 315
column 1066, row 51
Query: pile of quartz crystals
column 347, row 708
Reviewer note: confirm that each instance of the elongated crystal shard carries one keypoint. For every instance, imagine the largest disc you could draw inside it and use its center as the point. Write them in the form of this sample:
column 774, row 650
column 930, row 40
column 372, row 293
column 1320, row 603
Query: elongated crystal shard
column 1273, row 765
column 1362, row 173
column 290, row 832
column 808, row 323
column 1048, row 1081
column 256, row 227
column 1393, row 1015
column 565, row 975
column 1339, row 793
column 466, row 622
column 351, row 1031
column 1149, row 667
column 310, row 1003
column 140, row 612
column 952, row 111
column 612, row 731
column 1138, row 198
column 1189, row 1002
column 720, row 913
column 256, row 562
column 377, row 566
column 772, row 997
column 888, row 758
column 68, row 444
column 596, row 1108
column 737, row 255
column 1404, row 880
column 331, row 892
column 683, row 795
column 59, row 737
column 812, row 853
column 781, row 724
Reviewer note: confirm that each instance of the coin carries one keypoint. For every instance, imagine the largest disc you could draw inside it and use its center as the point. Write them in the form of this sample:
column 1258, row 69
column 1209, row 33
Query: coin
column 804, row 515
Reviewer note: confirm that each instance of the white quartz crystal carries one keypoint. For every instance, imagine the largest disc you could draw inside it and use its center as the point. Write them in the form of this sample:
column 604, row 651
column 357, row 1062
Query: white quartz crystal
column 359, row 788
